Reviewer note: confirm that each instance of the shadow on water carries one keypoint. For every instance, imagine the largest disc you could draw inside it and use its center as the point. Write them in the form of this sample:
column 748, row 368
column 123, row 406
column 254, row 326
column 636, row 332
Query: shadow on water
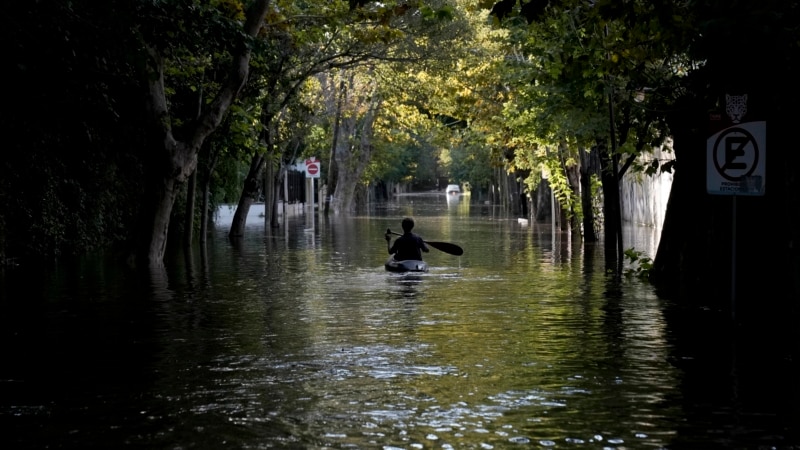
column 297, row 337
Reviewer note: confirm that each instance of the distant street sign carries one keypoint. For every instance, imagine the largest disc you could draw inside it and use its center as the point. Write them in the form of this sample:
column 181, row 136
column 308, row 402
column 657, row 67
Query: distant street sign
column 312, row 167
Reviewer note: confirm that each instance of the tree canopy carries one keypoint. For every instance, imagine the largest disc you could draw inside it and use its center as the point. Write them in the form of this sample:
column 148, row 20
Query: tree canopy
column 115, row 105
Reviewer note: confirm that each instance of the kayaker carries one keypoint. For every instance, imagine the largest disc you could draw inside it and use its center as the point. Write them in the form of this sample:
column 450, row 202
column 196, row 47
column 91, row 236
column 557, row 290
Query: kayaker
column 407, row 246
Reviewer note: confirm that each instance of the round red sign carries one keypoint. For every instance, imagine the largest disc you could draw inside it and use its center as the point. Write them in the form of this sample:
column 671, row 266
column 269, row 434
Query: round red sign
column 312, row 169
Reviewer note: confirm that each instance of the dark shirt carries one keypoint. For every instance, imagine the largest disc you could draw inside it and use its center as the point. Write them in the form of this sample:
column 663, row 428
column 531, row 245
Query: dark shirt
column 408, row 246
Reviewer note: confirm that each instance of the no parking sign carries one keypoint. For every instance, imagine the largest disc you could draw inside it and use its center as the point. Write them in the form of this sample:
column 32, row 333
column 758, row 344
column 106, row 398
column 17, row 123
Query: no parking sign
column 736, row 153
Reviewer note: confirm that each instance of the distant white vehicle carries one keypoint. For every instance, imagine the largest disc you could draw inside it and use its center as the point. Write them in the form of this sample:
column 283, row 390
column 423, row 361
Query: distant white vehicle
column 453, row 189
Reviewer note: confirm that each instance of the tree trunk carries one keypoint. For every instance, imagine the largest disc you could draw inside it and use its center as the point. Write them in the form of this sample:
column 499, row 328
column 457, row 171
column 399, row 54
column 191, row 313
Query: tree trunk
column 541, row 202
column 610, row 179
column 270, row 194
column 179, row 158
column 275, row 203
column 188, row 220
column 352, row 160
column 612, row 216
column 248, row 196
column 161, row 198
column 573, row 178
column 677, row 266
column 278, row 183
column 333, row 167
column 503, row 188
column 342, row 196
column 589, row 165
column 514, row 195
column 206, row 204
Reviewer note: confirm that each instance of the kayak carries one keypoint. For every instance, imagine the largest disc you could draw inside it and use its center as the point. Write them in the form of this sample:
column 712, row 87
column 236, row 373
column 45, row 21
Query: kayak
column 408, row 265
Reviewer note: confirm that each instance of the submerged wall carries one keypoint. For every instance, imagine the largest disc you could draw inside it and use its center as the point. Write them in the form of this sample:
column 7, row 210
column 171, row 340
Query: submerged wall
column 644, row 204
column 644, row 197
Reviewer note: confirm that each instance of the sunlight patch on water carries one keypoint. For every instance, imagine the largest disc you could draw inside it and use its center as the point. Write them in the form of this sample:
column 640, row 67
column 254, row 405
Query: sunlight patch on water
column 384, row 362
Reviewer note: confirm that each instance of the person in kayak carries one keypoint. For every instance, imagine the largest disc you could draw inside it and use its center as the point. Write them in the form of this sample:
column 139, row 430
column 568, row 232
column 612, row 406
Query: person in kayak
column 407, row 246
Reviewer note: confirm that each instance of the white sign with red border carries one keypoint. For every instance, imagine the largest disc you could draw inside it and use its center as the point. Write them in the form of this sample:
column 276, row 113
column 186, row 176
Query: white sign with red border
column 313, row 167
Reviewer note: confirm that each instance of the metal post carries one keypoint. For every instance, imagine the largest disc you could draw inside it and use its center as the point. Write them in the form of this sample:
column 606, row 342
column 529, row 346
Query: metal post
column 733, row 257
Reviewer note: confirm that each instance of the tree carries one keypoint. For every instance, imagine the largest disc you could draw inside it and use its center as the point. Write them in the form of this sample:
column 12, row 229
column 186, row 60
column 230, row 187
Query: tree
column 695, row 254
column 70, row 175
column 581, row 66
column 179, row 139
column 359, row 107
column 663, row 67
column 354, row 97
column 442, row 108
column 308, row 39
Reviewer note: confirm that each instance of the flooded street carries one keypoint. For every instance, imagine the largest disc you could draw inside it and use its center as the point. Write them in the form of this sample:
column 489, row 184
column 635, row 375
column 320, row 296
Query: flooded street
column 297, row 338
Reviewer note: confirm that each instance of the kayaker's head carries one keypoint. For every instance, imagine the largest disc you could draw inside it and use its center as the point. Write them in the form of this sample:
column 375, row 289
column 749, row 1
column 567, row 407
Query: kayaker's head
column 408, row 224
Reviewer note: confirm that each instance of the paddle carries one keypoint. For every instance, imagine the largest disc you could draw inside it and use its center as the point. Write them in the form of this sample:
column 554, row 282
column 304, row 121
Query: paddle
column 446, row 247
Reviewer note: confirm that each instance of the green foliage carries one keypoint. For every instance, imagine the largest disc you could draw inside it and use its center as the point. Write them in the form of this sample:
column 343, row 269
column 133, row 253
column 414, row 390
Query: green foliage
column 73, row 204
column 652, row 166
column 570, row 59
column 461, row 97
column 597, row 204
column 470, row 160
column 227, row 182
column 638, row 265
column 560, row 185
column 71, row 171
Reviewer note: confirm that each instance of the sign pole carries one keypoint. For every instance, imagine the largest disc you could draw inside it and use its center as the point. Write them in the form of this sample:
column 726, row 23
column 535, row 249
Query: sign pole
column 312, row 195
column 310, row 204
column 312, row 168
column 736, row 153
column 733, row 257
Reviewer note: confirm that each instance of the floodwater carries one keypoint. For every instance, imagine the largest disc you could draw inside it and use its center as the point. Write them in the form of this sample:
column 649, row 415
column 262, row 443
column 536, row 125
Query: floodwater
column 296, row 338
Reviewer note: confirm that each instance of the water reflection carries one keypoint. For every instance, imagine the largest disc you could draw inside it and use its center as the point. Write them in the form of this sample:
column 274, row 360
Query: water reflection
column 297, row 338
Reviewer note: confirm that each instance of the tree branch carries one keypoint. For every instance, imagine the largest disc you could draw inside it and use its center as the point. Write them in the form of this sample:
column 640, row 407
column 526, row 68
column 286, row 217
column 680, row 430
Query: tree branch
column 240, row 69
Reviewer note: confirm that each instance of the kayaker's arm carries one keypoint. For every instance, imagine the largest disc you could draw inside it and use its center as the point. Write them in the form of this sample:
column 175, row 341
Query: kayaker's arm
column 423, row 247
column 388, row 237
column 446, row 247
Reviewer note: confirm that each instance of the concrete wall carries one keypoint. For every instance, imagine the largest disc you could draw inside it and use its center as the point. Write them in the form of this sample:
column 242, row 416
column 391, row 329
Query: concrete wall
column 644, row 197
column 255, row 215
